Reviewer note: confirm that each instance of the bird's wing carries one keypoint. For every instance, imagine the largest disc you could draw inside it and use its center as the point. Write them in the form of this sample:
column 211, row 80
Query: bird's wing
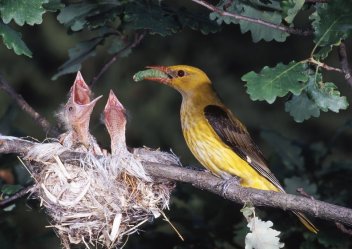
column 235, row 135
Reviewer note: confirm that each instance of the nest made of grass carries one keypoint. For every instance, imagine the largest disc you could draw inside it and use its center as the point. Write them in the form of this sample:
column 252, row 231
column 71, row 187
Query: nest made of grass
column 102, row 200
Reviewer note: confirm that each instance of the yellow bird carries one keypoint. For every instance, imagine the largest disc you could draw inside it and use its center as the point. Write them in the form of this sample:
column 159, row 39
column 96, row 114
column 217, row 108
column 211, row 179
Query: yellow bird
column 219, row 141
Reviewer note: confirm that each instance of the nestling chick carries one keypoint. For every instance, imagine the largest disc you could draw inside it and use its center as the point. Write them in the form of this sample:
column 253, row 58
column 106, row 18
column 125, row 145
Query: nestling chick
column 76, row 115
column 115, row 122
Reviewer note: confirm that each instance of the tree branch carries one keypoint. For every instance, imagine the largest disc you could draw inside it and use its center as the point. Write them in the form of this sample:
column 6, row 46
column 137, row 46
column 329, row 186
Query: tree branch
column 8, row 201
column 344, row 63
column 137, row 39
column 253, row 20
column 23, row 104
column 206, row 181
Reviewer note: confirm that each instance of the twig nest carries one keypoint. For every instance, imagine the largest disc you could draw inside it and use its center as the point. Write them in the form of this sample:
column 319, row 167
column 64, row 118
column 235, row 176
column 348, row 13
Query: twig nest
column 103, row 199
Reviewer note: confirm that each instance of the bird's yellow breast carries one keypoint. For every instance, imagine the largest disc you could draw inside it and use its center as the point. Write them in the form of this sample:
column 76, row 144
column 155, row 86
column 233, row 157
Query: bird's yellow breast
column 211, row 151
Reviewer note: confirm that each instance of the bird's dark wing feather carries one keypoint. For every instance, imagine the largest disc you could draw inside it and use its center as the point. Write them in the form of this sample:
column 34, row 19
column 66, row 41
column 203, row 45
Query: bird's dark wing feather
column 236, row 136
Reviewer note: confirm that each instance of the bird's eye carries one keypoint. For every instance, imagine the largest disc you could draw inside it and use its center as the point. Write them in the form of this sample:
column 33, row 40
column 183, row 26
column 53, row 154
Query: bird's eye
column 70, row 109
column 180, row 73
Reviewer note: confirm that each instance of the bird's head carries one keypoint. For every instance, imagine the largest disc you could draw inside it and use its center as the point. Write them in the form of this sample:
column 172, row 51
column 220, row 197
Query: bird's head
column 114, row 116
column 185, row 79
column 79, row 106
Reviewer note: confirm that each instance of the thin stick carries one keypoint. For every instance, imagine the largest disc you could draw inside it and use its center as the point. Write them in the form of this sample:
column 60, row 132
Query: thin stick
column 343, row 229
column 134, row 227
column 172, row 225
column 344, row 63
column 325, row 66
column 23, row 104
column 304, row 193
column 137, row 39
column 253, row 20
column 8, row 201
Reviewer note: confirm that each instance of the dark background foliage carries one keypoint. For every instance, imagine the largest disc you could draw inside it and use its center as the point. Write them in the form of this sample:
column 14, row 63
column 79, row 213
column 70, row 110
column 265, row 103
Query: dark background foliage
column 314, row 154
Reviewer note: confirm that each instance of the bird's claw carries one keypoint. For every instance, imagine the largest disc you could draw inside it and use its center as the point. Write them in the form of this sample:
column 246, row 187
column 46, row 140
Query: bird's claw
column 226, row 183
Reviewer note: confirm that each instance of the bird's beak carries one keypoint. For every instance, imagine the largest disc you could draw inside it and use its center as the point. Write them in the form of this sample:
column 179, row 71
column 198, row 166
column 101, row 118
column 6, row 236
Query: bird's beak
column 113, row 103
column 163, row 69
column 160, row 74
column 84, row 111
column 94, row 101
column 80, row 92
column 114, row 114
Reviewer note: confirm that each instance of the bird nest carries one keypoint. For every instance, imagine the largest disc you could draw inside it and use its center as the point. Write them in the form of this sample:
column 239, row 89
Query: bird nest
column 98, row 200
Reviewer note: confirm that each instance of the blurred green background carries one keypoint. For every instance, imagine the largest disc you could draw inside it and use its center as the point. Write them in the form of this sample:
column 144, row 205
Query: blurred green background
column 205, row 220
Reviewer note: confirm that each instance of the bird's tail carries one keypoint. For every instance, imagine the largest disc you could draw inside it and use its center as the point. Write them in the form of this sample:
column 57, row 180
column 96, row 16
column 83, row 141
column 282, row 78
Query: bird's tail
column 306, row 222
column 302, row 218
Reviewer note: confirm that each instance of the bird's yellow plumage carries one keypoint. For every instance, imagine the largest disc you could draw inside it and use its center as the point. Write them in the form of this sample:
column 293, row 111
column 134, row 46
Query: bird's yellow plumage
column 211, row 151
column 218, row 140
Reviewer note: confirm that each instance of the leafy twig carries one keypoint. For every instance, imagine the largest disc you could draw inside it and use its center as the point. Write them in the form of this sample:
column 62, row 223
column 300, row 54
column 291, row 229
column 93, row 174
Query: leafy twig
column 207, row 181
column 137, row 39
column 23, row 104
column 8, row 201
column 323, row 65
column 253, row 20
column 344, row 63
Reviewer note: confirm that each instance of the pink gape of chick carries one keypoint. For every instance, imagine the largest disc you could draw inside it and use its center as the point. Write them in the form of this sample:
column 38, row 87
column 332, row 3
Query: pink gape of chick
column 76, row 115
column 115, row 122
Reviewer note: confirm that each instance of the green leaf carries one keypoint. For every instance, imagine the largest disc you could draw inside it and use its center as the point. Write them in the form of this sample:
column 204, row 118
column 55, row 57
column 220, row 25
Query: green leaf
column 22, row 11
column 231, row 8
column 267, row 12
column 13, row 40
column 197, row 21
column 271, row 83
column 301, row 108
column 8, row 189
column 151, row 17
column 248, row 211
column 323, row 52
column 261, row 32
column 73, row 16
column 93, row 15
column 163, row 21
column 332, row 22
column 104, row 16
column 290, row 153
column 326, row 96
column 291, row 8
column 318, row 96
column 53, row 5
column 78, row 54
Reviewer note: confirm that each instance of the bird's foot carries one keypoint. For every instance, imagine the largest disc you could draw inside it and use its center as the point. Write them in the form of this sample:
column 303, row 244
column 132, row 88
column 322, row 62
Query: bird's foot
column 227, row 182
